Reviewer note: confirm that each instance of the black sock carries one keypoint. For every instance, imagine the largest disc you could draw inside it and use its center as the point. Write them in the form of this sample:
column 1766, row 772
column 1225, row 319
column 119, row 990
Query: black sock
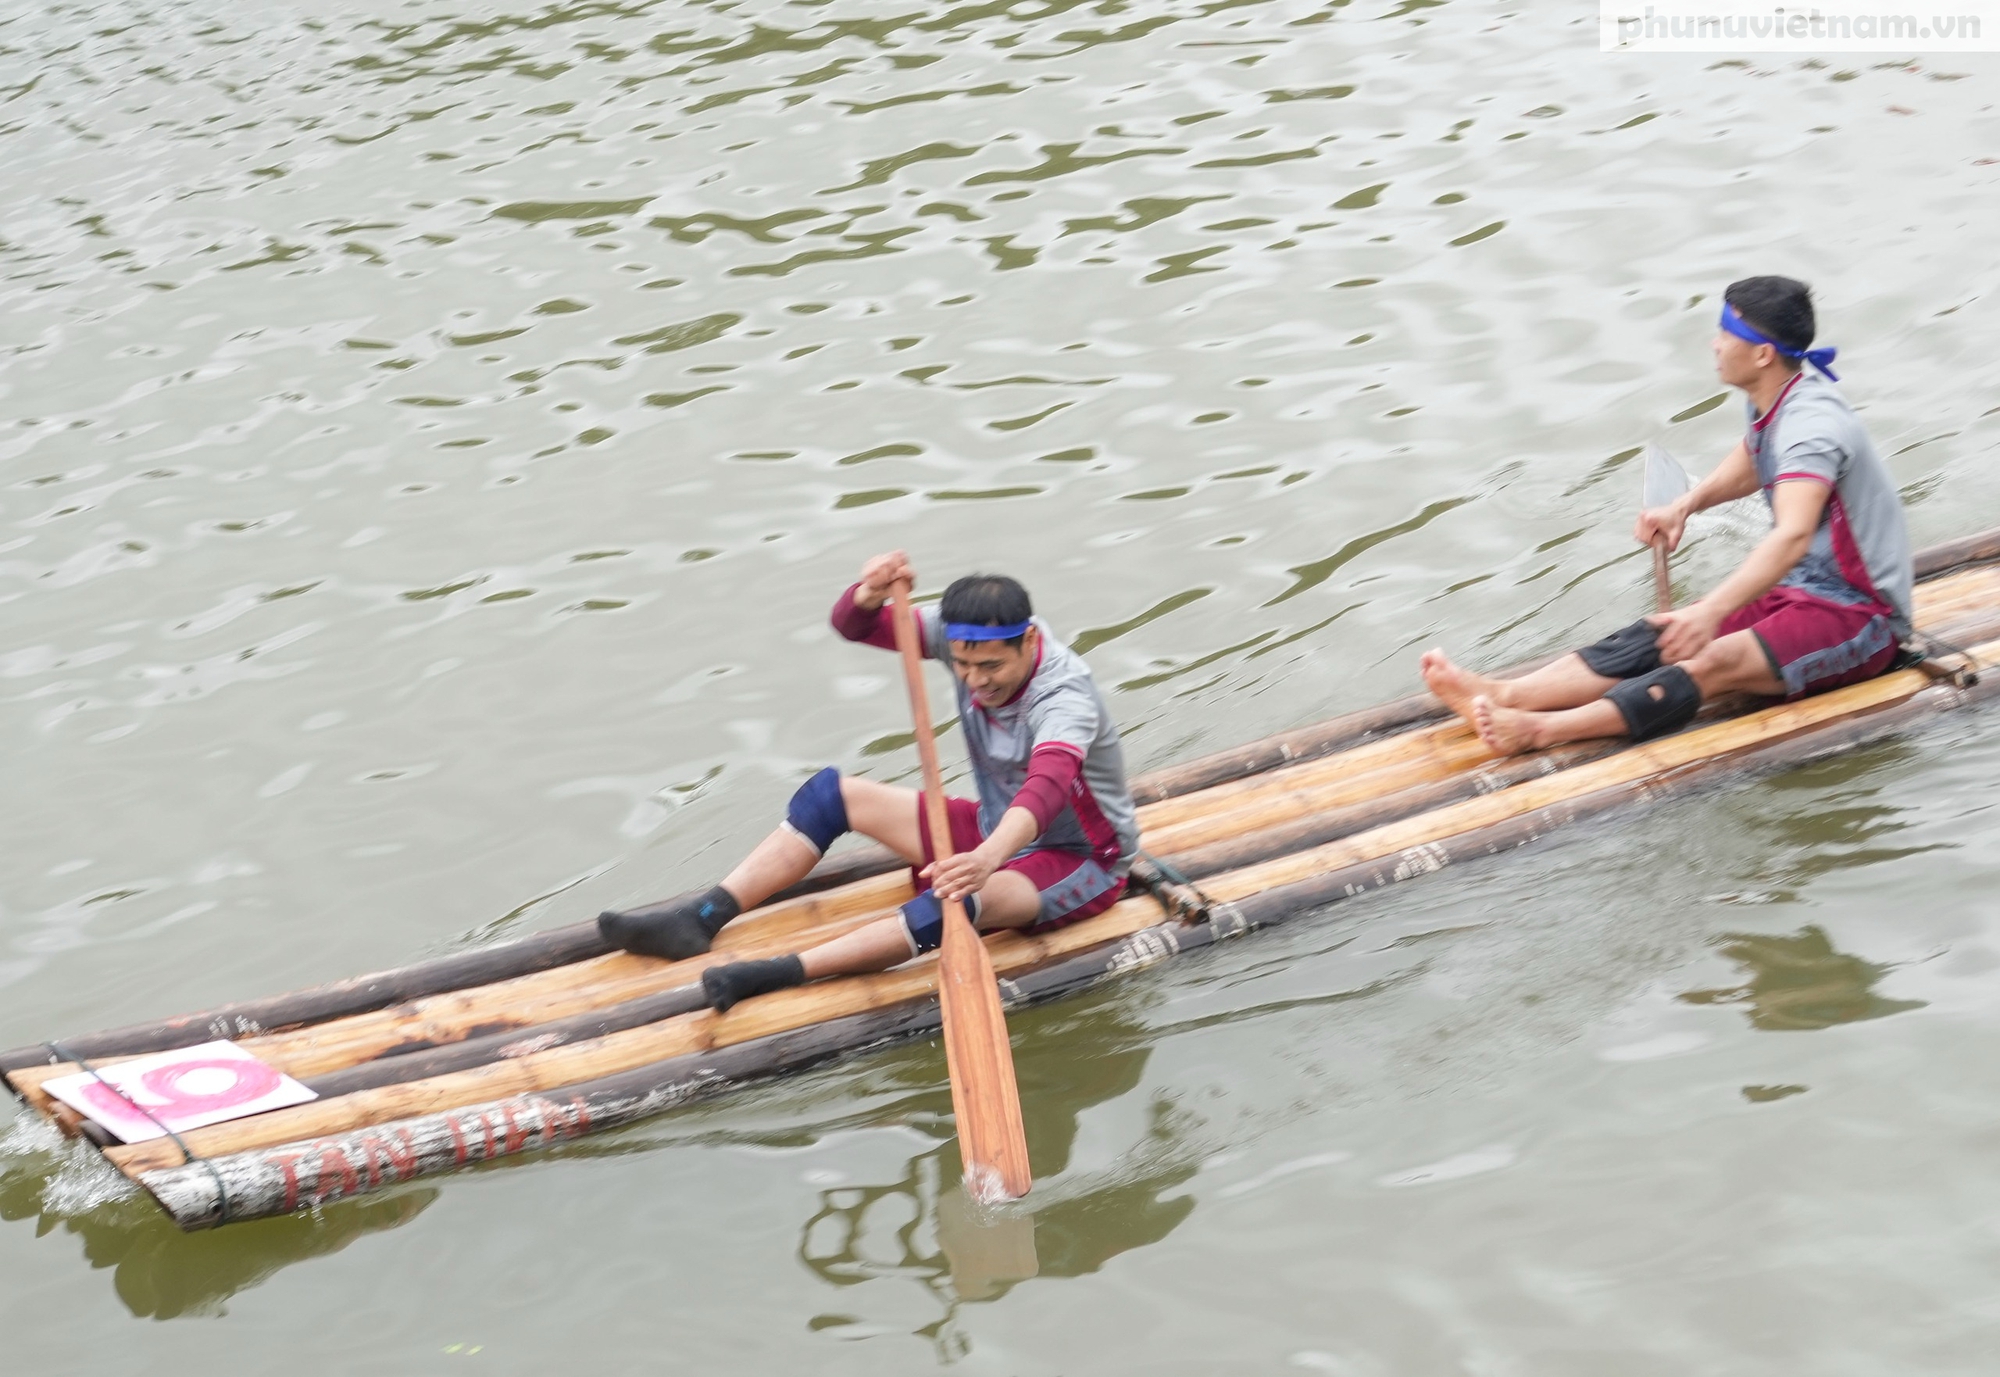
column 740, row 980
column 676, row 929
column 716, row 908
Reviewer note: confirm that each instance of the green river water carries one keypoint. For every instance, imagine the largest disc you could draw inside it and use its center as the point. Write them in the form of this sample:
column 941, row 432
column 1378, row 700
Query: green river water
column 432, row 439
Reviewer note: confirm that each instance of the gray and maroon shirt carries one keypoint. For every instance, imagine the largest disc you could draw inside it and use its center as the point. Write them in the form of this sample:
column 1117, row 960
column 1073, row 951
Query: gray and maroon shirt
column 1052, row 748
column 1861, row 552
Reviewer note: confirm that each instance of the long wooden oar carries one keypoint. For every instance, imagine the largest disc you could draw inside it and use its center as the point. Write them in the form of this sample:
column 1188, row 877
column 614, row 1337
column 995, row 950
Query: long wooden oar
column 984, row 1098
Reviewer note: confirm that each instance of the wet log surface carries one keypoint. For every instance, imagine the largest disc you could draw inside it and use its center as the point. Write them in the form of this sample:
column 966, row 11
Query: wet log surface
column 292, row 1176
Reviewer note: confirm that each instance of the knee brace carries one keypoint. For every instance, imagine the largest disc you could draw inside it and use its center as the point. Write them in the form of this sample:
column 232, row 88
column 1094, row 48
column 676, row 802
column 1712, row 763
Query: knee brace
column 1654, row 704
column 923, row 920
column 817, row 811
column 1626, row 653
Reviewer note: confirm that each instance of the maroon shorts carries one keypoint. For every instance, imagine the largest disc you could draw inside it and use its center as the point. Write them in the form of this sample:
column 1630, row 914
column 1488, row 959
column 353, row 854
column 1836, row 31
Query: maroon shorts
column 1072, row 884
column 1814, row 644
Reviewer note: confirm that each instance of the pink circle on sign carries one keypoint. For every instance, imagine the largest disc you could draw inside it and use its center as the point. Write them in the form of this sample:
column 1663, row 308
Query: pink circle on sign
column 250, row 1080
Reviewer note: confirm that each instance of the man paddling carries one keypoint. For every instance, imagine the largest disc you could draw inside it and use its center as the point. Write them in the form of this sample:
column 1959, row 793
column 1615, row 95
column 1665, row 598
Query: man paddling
column 1048, row 841
column 1823, row 600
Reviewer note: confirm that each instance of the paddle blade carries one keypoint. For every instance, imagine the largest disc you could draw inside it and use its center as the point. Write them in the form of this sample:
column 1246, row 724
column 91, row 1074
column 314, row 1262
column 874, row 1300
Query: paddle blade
column 1665, row 479
column 984, row 1097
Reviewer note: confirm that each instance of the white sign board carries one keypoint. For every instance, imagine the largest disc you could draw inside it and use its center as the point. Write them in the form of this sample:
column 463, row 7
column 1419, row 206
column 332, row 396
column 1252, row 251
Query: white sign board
column 182, row 1089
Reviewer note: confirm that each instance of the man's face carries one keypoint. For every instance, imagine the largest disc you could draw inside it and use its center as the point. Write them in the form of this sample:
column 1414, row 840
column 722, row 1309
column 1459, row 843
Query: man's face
column 994, row 670
column 1738, row 362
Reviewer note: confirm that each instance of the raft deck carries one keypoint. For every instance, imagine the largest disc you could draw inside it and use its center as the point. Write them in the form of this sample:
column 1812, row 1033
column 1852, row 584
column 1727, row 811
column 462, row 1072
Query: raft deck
column 524, row 1044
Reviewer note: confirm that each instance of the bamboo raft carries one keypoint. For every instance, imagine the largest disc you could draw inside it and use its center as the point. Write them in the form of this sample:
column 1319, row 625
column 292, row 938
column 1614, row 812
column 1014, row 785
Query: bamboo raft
column 489, row 1053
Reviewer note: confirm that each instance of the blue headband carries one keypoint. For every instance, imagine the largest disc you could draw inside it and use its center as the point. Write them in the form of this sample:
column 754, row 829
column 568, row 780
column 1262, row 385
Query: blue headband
column 1822, row 359
column 966, row 631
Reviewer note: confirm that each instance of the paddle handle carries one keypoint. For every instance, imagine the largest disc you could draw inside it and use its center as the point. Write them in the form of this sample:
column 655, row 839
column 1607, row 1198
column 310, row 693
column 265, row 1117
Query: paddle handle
column 909, row 646
column 1663, row 592
column 985, row 1099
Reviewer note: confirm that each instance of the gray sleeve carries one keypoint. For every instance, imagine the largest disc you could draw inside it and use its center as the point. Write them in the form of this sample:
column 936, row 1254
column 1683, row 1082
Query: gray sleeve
column 1810, row 451
column 930, row 633
column 1068, row 717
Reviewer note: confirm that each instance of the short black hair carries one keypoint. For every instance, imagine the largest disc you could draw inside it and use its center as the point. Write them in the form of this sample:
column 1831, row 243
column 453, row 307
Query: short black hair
column 1780, row 307
column 987, row 600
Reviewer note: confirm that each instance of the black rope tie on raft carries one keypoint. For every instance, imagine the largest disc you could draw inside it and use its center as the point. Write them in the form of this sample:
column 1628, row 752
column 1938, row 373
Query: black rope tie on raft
column 1965, row 677
column 1168, row 884
column 188, row 1158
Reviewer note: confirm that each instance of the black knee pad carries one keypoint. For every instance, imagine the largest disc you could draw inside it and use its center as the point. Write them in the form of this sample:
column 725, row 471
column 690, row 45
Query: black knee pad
column 1625, row 654
column 1654, row 704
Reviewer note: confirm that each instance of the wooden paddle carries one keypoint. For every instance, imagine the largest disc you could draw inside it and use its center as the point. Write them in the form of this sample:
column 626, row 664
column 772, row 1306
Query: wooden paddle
column 1663, row 589
column 984, row 1098
column 1665, row 481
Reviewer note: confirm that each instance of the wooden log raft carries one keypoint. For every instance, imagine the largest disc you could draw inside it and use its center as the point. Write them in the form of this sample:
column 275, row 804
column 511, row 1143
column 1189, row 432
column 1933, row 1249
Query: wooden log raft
column 554, row 1008
column 295, row 1175
column 1391, row 802
column 580, row 942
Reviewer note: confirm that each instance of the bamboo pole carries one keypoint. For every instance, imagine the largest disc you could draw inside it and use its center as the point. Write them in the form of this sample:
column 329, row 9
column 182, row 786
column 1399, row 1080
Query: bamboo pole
column 1941, row 558
column 1419, row 744
column 1317, row 828
column 1433, row 753
column 1288, row 748
column 285, row 1177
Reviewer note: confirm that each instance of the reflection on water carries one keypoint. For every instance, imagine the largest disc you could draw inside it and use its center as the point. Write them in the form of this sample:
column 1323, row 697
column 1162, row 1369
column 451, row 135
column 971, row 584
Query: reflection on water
column 1801, row 982
column 1852, row 821
column 921, row 1228
column 158, row 1271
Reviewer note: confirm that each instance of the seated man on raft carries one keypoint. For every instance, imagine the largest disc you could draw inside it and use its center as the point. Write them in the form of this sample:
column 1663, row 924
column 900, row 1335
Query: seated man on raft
column 1823, row 600
column 1048, row 842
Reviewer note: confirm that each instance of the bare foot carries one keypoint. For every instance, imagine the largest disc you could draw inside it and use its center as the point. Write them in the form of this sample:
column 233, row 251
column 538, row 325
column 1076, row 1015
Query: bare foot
column 1457, row 687
column 1506, row 731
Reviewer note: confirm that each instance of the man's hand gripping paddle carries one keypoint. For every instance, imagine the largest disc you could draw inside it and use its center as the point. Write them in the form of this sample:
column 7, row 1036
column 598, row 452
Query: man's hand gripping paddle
column 984, row 1098
column 1666, row 482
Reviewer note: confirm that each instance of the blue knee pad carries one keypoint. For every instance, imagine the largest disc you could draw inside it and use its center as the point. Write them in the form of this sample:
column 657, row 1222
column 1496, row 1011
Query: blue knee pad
column 817, row 811
column 923, row 920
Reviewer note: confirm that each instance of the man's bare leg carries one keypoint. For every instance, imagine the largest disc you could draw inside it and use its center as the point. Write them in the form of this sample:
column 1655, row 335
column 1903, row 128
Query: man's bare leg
column 1735, row 663
column 685, row 926
column 782, row 858
column 1565, row 683
column 880, row 811
column 1512, row 731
